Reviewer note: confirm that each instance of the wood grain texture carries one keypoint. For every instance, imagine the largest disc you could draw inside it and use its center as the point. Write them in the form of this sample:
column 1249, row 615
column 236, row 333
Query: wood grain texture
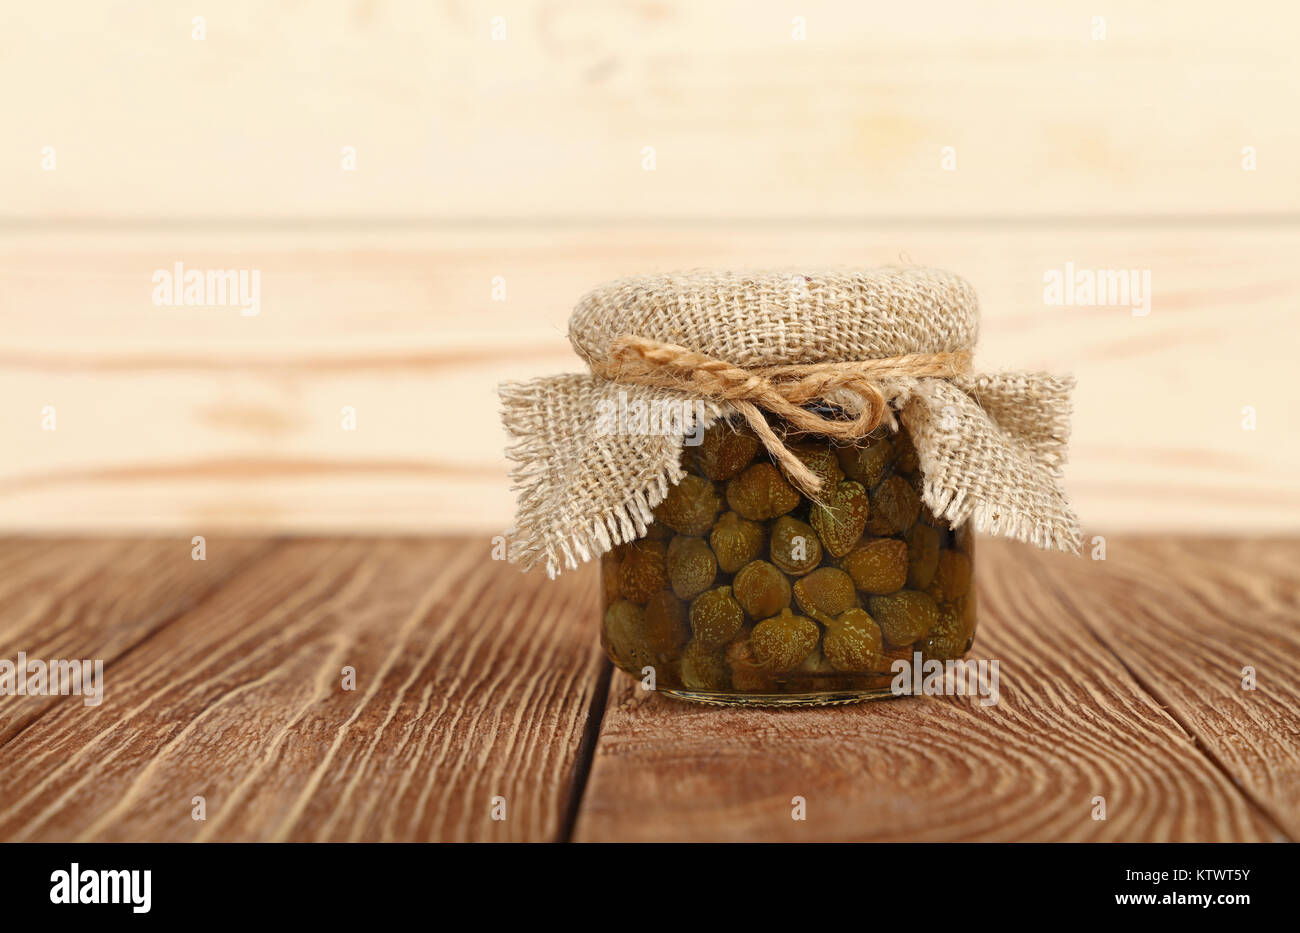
column 1195, row 613
column 1118, row 678
column 97, row 599
column 472, row 681
column 1073, row 723
column 188, row 420
column 745, row 119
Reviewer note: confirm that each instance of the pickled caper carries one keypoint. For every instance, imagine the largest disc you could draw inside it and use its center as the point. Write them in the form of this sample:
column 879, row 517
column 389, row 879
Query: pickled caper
column 894, row 507
column 951, row 636
column 715, row 617
column 725, row 450
column 821, row 460
column 868, row 461
column 643, row 571
column 905, row 459
column 877, row 565
column 853, row 642
column 826, row 590
column 657, row 531
column 761, row 492
column 840, row 516
column 690, row 506
column 922, row 555
column 691, row 566
column 745, row 673
column 783, row 642
column 761, row 589
column 951, row 577
column 666, row 630
column 625, row 635
column 704, row 667
column 735, row 541
column 904, row 616
column 815, row 663
column 794, row 546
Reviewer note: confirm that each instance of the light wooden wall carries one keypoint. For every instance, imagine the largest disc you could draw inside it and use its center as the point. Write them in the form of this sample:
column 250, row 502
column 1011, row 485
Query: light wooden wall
column 522, row 159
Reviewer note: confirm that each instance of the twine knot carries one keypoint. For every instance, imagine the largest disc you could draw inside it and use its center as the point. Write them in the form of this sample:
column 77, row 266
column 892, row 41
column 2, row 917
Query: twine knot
column 785, row 391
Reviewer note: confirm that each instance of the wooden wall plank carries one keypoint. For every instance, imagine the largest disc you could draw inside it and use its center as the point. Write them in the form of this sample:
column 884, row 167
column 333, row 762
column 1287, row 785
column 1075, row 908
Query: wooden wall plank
column 472, row 681
column 745, row 120
column 186, row 419
column 1072, row 724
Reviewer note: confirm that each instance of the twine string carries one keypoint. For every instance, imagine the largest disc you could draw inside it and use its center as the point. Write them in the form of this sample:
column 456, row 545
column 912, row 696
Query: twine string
column 784, row 391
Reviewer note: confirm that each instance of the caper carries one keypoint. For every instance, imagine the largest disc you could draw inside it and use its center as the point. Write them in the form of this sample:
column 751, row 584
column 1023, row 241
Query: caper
column 826, row 590
column 905, row 458
column 761, row 589
column 666, row 630
column 922, row 555
column 690, row 506
column 877, row 565
column 643, row 571
column 704, row 667
column 904, row 616
column 746, row 675
column 725, row 450
column 625, row 635
column 657, row 531
column 716, row 617
column 853, row 642
column 840, row 517
column 691, row 566
column 951, row 577
column 794, row 546
column 820, row 459
column 952, row 633
column 894, row 507
column 760, row 493
column 867, row 462
column 815, row 663
column 783, row 642
column 735, row 541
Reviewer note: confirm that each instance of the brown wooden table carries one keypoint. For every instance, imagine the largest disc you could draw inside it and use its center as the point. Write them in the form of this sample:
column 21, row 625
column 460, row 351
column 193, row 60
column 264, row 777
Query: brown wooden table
column 224, row 679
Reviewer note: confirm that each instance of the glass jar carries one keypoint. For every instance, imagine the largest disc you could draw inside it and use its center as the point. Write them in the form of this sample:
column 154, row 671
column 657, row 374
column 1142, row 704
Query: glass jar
column 745, row 591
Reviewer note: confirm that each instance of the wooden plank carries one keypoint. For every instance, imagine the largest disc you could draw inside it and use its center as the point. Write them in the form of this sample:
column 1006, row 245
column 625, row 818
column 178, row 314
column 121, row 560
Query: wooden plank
column 472, row 681
column 94, row 600
column 1072, row 724
column 184, row 420
column 746, row 120
column 1197, row 613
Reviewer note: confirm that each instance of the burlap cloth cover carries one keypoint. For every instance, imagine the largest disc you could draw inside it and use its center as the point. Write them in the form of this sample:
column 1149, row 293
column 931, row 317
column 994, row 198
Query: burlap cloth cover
column 991, row 446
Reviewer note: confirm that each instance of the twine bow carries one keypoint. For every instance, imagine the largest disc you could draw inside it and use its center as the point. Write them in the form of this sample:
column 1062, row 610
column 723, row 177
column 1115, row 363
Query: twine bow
column 784, row 390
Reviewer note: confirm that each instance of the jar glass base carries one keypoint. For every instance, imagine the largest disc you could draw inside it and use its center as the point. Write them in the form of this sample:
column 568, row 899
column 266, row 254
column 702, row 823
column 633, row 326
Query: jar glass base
column 820, row 698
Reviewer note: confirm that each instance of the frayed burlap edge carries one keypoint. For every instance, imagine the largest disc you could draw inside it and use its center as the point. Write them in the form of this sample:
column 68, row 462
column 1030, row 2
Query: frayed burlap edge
column 576, row 500
column 546, row 530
